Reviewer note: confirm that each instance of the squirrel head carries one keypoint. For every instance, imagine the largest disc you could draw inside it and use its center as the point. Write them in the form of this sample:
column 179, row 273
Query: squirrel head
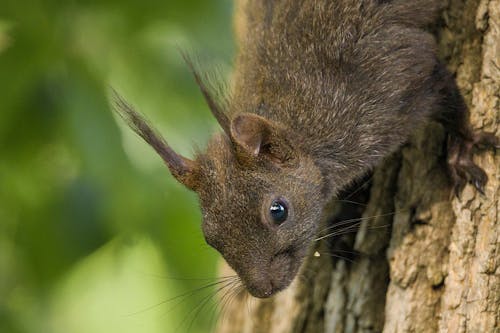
column 260, row 193
column 261, row 202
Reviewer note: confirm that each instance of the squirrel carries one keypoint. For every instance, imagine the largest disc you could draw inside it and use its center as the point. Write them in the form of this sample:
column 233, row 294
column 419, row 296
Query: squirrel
column 321, row 92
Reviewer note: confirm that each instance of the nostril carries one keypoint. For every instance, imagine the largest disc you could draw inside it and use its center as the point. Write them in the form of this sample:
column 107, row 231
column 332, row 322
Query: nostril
column 261, row 289
column 268, row 292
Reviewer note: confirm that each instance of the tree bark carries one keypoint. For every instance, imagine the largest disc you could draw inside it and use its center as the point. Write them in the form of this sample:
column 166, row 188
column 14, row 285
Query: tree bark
column 421, row 260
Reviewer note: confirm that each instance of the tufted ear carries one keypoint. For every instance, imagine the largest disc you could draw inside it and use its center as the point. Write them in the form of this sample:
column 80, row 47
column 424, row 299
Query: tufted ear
column 259, row 137
column 212, row 96
column 183, row 169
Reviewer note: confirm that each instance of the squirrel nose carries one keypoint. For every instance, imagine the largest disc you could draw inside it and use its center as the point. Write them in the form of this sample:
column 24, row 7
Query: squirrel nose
column 261, row 289
column 261, row 292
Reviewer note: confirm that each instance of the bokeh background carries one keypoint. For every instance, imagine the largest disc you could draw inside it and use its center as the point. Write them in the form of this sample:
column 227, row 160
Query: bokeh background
column 95, row 235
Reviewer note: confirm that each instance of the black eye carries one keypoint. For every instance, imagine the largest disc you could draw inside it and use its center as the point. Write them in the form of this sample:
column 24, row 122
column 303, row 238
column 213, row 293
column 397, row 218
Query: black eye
column 278, row 211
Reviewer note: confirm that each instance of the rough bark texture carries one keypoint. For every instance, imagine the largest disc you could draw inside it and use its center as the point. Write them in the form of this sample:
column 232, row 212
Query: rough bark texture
column 426, row 261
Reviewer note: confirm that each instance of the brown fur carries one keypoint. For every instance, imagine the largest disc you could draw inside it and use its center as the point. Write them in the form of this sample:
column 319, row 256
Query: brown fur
column 322, row 91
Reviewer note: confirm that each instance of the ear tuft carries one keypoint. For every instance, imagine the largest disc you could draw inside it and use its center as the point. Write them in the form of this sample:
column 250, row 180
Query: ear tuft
column 183, row 169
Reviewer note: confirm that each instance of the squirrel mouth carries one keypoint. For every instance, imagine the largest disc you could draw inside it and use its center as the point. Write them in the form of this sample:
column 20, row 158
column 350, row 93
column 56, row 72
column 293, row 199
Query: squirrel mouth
column 277, row 276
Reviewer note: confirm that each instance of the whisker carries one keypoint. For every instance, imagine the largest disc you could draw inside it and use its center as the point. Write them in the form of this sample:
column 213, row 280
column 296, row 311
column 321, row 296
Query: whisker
column 343, row 222
column 185, row 299
column 349, row 229
column 346, row 251
column 351, row 202
column 360, row 187
column 226, row 300
column 201, row 305
column 247, row 297
column 338, row 256
column 164, row 277
column 186, row 294
column 214, row 307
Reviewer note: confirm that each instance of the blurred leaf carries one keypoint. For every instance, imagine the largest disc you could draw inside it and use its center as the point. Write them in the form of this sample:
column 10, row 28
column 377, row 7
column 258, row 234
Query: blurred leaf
column 74, row 181
column 110, row 290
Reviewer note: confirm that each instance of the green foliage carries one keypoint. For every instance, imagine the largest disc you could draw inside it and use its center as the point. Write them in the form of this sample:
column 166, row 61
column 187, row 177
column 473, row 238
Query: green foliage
column 93, row 229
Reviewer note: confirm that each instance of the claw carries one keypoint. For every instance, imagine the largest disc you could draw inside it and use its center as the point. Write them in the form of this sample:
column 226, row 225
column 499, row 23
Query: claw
column 461, row 166
column 486, row 140
column 457, row 189
column 479, row 186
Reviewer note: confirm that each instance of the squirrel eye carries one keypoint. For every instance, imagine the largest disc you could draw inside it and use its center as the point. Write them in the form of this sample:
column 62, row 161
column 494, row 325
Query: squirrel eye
column 278, row 211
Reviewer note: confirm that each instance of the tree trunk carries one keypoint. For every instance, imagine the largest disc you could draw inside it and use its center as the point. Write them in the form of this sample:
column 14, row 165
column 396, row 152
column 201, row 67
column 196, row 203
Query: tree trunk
column 420, row 260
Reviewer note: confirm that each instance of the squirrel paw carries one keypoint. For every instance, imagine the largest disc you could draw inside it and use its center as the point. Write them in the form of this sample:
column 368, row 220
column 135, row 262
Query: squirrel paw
column 462, row 168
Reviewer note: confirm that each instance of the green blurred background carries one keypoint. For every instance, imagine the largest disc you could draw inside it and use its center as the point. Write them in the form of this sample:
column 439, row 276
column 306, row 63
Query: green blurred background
column 94, row 232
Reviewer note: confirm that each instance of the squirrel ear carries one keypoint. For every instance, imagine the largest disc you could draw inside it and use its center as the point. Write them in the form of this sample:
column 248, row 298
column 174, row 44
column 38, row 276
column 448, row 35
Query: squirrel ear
column 260, row 137
column 183, row 169
column 250, row 132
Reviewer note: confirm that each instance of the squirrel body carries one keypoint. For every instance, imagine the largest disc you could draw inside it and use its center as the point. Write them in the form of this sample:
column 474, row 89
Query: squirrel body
column 322, row 91
column 349, row 79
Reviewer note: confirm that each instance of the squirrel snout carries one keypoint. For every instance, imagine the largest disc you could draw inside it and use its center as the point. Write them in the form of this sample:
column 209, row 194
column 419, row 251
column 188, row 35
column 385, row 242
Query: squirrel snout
column 261, row 288
column 276, row 277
